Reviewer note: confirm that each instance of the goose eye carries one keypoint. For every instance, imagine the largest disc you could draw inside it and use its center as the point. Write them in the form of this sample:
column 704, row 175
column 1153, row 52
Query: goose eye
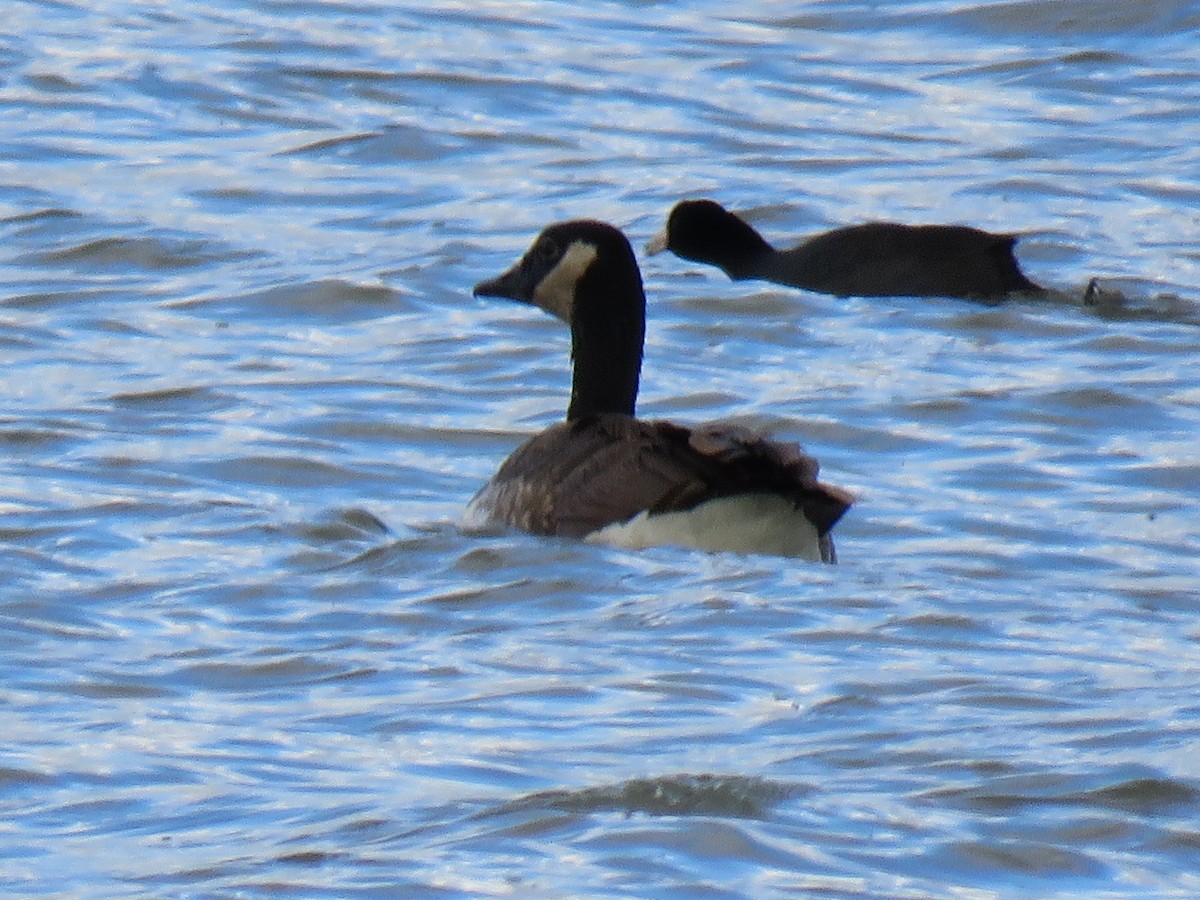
column 546, row 249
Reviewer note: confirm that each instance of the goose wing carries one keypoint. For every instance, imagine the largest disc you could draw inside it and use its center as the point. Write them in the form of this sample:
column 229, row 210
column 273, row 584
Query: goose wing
column 580, row 476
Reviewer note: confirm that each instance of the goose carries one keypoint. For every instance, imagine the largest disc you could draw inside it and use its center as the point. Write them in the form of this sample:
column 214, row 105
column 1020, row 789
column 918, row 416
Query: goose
column 606, row 476
column 878, row 259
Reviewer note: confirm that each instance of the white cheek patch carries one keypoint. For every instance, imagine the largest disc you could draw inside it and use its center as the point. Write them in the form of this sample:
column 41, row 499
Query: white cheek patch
column 556, row 292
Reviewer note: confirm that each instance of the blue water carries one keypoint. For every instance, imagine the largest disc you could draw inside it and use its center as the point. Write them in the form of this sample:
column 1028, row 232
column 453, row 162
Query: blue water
column 247, row 394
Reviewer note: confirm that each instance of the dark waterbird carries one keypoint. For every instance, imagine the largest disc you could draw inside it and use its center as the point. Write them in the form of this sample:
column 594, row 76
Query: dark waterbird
column 878, row 259
column 604, row 474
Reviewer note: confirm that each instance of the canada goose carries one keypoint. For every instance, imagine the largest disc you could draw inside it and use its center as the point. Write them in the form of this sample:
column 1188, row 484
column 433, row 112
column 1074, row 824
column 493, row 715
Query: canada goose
column 607, row 476
column 879, row 259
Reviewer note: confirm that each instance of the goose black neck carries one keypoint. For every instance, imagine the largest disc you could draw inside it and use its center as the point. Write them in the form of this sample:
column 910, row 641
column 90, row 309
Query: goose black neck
column 608, row 328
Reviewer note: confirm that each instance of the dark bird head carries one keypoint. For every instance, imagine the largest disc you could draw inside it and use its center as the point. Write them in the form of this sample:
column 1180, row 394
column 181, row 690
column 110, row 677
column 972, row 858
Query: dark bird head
column 584, row 272
column 704, row 231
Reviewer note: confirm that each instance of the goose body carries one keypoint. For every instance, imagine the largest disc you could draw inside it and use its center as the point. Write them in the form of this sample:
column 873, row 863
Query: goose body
column 877, row 259
column 605, row 475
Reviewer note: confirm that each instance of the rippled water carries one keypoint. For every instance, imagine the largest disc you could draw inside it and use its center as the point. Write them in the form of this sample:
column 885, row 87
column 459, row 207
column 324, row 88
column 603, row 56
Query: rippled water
column 247, row 395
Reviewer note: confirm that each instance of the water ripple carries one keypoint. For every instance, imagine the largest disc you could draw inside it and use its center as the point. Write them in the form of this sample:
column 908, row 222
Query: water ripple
column 248, row 394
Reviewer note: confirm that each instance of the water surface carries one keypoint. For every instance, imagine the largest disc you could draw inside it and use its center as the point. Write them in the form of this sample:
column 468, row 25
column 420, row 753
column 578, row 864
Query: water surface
column 248, row 394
